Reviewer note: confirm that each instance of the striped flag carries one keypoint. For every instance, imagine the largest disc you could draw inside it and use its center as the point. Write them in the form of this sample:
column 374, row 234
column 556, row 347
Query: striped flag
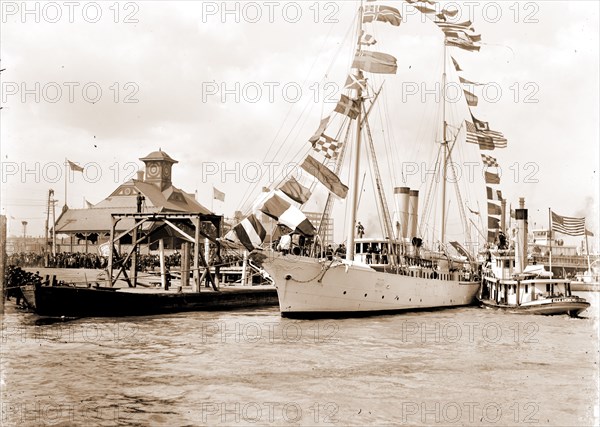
column 494, row 209
column 375, row 62
column 489, row 161
column 493, row 223
column 492, row 178
column 295, row 191
column 459, row 26
column 493, row 194
column 288, row 215
column 249, row 232
column 567, row 225
column 487, row 139
column 425, row 9
column 462, row 44
column 475, row 137
column 456, row 66
column 383, row 14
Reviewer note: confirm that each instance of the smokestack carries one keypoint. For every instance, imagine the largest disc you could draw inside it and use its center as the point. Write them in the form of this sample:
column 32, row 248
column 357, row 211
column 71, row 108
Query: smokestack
column 413, row 213
column 521, row 243
column 402, row 197
column 140, row 175
column 503, row 215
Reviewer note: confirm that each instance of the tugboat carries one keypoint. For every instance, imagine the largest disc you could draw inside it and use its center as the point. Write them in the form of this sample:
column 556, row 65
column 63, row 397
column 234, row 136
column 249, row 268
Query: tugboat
column 509, row 284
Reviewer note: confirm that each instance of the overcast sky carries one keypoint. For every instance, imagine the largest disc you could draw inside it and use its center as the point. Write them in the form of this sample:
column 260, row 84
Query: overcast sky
column 162, row 66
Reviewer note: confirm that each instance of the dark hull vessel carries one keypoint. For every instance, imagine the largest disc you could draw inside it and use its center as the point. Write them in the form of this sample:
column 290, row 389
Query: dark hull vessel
column 71, row 301
column 572, row 306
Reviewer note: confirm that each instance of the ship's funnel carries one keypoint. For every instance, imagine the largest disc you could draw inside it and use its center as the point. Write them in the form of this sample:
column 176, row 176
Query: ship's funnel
column 521, row 241
column 413, row 213
column 402, row 198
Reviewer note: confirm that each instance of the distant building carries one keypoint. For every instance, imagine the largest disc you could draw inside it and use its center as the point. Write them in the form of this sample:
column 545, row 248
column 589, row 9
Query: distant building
column 315, row 219
column 158, row 192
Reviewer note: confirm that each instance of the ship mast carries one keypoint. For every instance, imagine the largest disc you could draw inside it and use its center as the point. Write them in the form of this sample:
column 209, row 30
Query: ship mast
column 444, row 152
column 355, row 165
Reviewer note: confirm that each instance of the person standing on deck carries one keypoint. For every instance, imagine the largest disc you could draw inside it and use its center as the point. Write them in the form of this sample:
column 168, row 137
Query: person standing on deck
column 360, row 230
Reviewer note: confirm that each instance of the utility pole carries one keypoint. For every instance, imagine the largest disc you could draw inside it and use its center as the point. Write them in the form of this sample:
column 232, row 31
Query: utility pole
column 24, row 235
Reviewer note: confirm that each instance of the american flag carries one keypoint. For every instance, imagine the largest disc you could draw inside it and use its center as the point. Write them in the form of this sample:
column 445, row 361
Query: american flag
column 567, row 225
column 487, row 140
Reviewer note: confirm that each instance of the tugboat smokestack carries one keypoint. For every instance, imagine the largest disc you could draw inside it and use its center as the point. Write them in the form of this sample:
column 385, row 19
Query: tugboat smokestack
column 521, row 243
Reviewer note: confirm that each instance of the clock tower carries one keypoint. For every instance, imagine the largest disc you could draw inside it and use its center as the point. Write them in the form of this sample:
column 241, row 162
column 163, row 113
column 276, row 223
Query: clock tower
column 158, row 169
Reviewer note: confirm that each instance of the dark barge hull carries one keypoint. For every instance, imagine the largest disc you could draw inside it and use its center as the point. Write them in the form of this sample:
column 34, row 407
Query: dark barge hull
column 69, row 301
column 572, row 308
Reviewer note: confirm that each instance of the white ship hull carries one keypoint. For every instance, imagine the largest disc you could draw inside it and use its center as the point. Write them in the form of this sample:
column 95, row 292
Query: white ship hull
column 309, row 287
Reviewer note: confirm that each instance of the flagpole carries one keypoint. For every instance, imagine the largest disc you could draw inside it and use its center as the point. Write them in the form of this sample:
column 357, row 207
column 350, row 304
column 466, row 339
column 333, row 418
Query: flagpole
column 66, row 177
column 445, row 149
column 550, row 238
column 587, row 249
column 351, row 250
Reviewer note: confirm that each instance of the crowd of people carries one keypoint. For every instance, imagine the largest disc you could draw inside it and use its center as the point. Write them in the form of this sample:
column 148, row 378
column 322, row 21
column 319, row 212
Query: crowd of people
column 145, row 262
column 60, row 260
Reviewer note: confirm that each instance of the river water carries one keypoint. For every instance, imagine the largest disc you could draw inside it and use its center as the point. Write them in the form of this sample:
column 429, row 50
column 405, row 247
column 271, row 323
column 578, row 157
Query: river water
column 465, row 366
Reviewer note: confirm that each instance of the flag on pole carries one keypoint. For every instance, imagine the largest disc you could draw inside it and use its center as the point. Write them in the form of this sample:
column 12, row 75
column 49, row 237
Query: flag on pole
column 494, row 209
column 367, row 39
column 425, row 9
column 489, row 161
column 462, row 44
column 492, row 178
column 295, row 191
column 320, row 130
column 493, row 194
column 327, row 146
column 249, row 232
column 348, row 107
column 456, row 66
column 88, row 205
column 218, row 195
column 375, row 62
column 493, row 223
column 471, row 98
column 356, row 82
column 325, row 176
column 568, row 225
column 288, row 215
column 74, row 167
column 383, row 14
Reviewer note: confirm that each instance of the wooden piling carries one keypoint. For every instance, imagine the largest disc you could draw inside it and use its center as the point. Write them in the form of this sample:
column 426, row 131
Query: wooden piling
column 185, row 264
